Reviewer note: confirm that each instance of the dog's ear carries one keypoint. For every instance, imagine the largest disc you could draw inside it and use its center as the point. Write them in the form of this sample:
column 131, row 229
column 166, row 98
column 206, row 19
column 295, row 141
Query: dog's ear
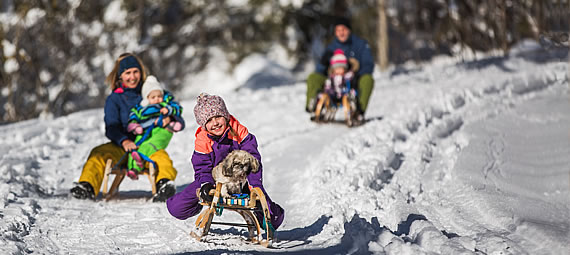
column 228, row 170
column 254, row 164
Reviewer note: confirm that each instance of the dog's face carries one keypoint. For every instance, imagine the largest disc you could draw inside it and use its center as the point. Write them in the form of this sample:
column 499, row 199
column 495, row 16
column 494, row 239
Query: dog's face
column 239, row 163
column 233, row 170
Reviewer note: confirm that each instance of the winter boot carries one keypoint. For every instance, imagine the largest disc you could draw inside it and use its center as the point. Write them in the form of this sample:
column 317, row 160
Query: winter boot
column 83, row 190
column 131, row 173
column 137, row 158
column 135, row 128
column 165, row 189
column 174, row 126
column 359, row 118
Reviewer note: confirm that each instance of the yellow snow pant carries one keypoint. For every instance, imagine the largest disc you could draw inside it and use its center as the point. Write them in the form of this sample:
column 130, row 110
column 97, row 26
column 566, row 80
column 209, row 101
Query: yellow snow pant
column 94, row 168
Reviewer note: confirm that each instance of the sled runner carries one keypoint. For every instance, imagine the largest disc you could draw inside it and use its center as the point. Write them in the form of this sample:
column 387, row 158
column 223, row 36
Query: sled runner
column 244, row 205
column 328, row 104
column 120, row 174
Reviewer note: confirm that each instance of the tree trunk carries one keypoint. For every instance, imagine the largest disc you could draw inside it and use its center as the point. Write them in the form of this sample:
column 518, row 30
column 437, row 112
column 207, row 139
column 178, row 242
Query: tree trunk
column 383, row 34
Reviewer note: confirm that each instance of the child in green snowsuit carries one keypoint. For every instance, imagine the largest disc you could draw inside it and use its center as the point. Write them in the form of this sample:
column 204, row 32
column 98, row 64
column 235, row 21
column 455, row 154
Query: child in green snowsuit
column 153, row 121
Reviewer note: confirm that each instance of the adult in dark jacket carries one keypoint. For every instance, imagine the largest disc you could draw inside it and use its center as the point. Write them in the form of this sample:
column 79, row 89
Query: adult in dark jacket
column 354, row 47
column 125, row 81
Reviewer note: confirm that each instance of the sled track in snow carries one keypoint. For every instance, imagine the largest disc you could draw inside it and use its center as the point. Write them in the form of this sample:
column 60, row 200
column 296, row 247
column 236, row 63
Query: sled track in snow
column 417, row 142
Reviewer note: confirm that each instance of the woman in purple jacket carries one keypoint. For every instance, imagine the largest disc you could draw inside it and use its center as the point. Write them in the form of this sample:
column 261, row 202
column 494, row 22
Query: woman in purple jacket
column 219, row 134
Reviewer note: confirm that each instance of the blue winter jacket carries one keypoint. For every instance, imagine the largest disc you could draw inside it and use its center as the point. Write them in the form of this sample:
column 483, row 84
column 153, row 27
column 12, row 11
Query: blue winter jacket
column 354, row 47
column 117, row 109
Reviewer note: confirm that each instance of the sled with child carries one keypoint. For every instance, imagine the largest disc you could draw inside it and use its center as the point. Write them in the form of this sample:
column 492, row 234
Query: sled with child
column 246, row 205
column 329, row 103
column 339, row 92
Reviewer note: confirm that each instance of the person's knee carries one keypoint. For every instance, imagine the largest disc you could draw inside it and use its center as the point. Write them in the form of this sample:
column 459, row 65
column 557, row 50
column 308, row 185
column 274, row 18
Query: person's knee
column 365, row 82
column 166, row 169
column 183, row 213
column 185, row 204
column 315, row 80
column 100, row 150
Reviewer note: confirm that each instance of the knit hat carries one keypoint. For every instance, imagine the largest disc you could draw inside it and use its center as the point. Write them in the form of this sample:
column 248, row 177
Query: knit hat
column 338, row 59
column 342, row 21
column 208, row 106
column 126, row 63
column 150, row 84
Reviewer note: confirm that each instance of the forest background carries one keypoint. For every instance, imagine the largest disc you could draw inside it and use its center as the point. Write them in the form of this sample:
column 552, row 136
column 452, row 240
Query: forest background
column 56, row 53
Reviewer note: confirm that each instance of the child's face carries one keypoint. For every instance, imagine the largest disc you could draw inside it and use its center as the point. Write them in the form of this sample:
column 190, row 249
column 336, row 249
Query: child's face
column 155, row 97
column 339, row 71
column 216, row 125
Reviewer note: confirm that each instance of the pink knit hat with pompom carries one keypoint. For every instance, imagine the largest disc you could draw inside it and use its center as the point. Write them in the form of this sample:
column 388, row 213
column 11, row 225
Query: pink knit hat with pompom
column 338, row 59
column 208, row 106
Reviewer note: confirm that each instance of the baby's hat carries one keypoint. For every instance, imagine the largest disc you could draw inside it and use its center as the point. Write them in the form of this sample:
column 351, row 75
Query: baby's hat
column 338, row 59
column 208, row 106
column 150, row 84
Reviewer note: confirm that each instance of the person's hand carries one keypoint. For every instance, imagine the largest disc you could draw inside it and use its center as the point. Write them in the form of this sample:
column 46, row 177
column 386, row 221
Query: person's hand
column 164, row 110
column 128, row 145
column 205, row 191
column 354, row 64
column 166, row 121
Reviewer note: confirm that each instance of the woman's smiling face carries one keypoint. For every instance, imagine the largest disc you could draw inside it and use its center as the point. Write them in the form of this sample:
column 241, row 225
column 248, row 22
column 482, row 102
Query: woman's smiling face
column 216, row 125
column 131, row 77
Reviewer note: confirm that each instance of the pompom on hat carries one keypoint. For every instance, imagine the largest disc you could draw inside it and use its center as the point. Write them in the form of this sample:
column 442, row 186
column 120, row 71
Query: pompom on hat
column 150, row 84
column 338, row 59
column 208, row 106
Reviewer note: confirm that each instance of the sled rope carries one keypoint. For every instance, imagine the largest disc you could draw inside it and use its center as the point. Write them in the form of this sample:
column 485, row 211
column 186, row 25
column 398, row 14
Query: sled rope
column 149, row 130
column 116, row 166
column 220, row 206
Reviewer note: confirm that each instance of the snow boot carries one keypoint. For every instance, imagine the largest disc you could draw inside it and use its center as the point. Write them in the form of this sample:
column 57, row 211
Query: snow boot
column 174, row 126
column 83, row 190
column 165, row 189
column 137, row 158
column 131, row 173
column 135, row 128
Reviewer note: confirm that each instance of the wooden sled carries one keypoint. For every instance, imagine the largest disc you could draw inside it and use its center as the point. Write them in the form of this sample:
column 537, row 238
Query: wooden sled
column 244, row 207
column 120, row 175
column 326, row 109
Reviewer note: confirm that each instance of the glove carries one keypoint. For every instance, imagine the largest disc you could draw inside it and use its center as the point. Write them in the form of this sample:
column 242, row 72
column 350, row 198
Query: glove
column 205, row 191
column 354, row 64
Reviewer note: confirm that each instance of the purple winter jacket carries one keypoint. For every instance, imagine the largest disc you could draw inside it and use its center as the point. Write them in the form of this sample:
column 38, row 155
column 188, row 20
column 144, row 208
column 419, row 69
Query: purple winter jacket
column 209, row 151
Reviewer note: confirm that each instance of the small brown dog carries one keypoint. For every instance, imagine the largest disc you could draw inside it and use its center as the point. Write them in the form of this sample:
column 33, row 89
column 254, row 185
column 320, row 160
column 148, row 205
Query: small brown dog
column 233, row 170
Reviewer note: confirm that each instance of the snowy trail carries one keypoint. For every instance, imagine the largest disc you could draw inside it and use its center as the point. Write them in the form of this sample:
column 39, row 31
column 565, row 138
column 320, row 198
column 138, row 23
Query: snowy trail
column 403, row 183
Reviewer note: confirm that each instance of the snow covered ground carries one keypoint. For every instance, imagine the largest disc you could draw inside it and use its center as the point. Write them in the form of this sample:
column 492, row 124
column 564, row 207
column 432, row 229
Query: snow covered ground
column 455, row 158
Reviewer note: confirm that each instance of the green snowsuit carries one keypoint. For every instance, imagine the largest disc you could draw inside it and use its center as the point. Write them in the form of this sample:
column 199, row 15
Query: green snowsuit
column 159, row 137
